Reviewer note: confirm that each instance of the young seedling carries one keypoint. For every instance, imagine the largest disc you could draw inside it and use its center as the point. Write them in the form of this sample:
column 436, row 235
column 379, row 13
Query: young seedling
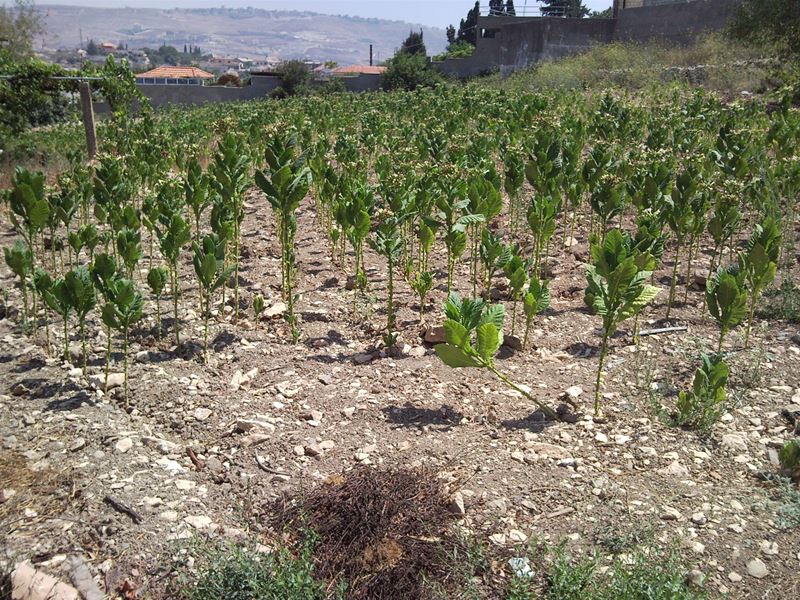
column 422, row 285
column 466, row 318
column 726, row 297
column 704, row 404
column 157, row 280
column 122, row 311
column 617, row 285
column 20, row 260
column 494, row 256
column 517, row 272
column 759, row 263
column 209, row 265
column 536, row 300
column 258, row 308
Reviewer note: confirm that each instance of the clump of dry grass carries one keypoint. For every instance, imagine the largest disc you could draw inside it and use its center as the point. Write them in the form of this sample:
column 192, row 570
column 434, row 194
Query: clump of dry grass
column 385, row 532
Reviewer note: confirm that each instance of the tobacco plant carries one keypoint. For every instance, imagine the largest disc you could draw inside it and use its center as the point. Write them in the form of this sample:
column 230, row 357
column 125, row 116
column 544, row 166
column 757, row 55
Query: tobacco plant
column 230, row 177
column 258, row 308
column 20, row 260
column 209, row 266
column 157, row 278
column 703, row 405
column 473, row 335
column 122, row 309
column 535, row 300
column 173, row 236
column 617, row 287
column 726, row 298
column 81, row 298
column 422, row 285
column 285, row 183
column 759, row 263
column 388, row 244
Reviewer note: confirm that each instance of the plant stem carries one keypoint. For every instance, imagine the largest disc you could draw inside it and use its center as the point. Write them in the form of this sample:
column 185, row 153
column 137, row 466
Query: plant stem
column 108, row 357
column 750, row 318
column 545, row 409
column 83, row 342
column 674, row 279
column 175, row 303
column 599, row 381
column 125, row 361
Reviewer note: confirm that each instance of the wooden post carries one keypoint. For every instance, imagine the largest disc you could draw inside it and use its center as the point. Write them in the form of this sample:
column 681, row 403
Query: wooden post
column 88, row 118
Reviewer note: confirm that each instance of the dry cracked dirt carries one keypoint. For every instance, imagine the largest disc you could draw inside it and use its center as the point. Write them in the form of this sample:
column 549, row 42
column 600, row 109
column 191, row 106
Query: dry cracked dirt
column 201, row 449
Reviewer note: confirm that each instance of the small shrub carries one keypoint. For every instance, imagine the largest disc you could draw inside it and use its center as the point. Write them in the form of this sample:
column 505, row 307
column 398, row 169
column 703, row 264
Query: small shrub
column 781, row 303
column 236, row 572
column 701, row 407
column 646, row 572
column 789, row 457
column 278, row 93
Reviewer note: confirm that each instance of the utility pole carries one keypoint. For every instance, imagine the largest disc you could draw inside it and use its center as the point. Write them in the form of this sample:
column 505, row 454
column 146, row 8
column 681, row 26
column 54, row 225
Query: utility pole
column 88, row 118
column 370, row 55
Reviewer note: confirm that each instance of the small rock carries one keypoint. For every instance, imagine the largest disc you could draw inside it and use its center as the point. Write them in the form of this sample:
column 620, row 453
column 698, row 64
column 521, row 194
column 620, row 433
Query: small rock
column 198, row 522
column 575, row 391
column 768, row 548
column 600, row 437
column 201, row 414
column 123, row 445
column 77, row 444
column 756, row 568
column 696, row 578
column 699, row 518
column 115, row 380
column 434, row 335
column 417, row 352
column 513, row 342
column 363, row 358
column 734, row 442
column 734, row 577
column 676, row 469
column 276, row 310
column 456, row 505
column 349, row 411
column 670, row 514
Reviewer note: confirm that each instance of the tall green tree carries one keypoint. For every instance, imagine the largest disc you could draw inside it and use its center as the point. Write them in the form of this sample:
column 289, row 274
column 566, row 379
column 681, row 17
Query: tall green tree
column 414, row 44
column 468, row 28
column 772, row 22
column 574, row 9
column 19, row 25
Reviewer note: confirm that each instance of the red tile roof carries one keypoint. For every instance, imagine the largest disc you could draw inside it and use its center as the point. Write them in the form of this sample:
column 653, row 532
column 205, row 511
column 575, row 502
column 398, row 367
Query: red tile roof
column 359, row 70
column 167, row 72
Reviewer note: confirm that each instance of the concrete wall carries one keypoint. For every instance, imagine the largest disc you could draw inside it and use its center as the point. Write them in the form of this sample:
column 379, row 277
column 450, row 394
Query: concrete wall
column 517, row 42
column 677, row 22
column 260, row 86
column 549, row 39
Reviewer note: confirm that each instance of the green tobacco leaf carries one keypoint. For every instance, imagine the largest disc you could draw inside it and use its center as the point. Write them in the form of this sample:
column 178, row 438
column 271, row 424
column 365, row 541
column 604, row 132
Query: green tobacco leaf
column 456, row 334
column 455, row 357
column 488, row 342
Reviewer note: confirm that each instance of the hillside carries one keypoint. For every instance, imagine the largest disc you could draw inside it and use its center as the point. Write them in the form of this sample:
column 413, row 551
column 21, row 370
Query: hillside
column 243, row 32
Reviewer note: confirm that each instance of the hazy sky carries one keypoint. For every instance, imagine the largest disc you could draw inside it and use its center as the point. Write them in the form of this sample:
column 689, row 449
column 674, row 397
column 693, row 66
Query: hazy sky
column 438, row 13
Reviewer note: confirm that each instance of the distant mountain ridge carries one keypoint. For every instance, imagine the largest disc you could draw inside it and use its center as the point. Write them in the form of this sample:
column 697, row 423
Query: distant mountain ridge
column 250, row 32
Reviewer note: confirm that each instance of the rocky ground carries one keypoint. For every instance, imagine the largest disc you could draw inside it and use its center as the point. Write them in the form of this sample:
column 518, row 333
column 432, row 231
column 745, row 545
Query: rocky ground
column 90, row 485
